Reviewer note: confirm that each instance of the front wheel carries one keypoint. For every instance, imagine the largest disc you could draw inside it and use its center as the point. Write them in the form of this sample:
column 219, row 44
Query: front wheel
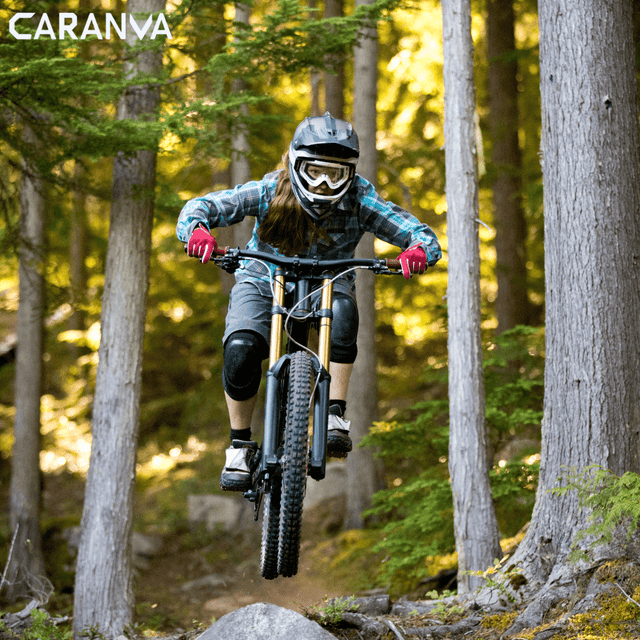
column 294, row 462
column 271, row 530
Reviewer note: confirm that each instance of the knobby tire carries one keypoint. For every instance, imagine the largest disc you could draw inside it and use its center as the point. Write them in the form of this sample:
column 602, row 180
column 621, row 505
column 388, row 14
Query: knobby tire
column 271, row 531
column 294, row 462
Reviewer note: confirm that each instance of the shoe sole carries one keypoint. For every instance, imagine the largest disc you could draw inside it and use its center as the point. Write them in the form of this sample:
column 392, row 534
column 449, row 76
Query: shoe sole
column 338, row 446
column 235, row 483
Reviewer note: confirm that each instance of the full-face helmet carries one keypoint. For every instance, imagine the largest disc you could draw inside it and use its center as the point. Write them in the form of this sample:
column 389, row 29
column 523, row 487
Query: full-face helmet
column 322, row 163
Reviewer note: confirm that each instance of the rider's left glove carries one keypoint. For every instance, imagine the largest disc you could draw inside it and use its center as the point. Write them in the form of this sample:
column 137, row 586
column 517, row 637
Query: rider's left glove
column 413, row 260
column 201, row 244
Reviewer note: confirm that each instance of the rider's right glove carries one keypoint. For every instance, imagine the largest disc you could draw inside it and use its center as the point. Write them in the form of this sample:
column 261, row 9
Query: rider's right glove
column 413, row 260
column 201, row 244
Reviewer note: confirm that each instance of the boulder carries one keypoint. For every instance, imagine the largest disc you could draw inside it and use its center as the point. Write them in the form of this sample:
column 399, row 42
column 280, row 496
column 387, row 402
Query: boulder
column 233, row 513
column 333, row 485
column 143, row 546
column 263, row 621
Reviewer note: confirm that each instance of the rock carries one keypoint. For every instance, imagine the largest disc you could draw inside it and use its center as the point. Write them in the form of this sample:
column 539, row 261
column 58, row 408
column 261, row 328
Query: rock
column 369, row 629
column 143, row 546
column 407, row 607
column 232, row 513
column 263, row 621
column 376, row 605
column 333, row 485
column 212, row 581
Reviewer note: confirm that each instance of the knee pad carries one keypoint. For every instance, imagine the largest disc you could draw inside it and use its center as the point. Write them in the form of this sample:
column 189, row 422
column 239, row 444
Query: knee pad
column 344, row 330
column 244, row 352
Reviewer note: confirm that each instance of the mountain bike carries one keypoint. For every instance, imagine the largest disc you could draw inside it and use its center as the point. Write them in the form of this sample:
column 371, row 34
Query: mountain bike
column 297, row 386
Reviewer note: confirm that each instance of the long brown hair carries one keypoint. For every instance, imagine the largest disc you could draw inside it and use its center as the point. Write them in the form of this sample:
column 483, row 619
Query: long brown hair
column 287, row 226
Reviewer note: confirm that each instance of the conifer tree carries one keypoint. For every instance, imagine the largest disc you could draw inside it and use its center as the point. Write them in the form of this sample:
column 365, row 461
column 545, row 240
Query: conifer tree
column 476, row 527
column 591, row 171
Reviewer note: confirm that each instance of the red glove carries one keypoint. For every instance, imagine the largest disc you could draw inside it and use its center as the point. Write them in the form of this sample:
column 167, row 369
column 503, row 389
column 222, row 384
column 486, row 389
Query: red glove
column 413, row 260
column 201, row 244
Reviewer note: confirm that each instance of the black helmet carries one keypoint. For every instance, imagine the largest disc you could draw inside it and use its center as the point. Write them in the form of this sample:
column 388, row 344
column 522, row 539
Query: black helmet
column 323, row 150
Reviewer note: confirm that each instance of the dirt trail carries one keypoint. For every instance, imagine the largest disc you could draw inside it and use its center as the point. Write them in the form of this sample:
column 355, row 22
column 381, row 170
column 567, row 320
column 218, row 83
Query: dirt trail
column 163, row 587
column 305, row 589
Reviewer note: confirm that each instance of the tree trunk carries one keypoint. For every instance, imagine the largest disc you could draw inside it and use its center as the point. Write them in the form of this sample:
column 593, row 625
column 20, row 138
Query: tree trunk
column 512, row 303
column 591, row 173
column 25, row 572
column 363, row 394
column 476, row 528
column 334, row 80
column 240, row 167
column 78, row 255
column 315, row 77
column 103, row 590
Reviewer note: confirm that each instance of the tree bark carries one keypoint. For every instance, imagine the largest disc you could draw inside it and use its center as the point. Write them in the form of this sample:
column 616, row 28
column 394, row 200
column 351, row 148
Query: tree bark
column 77, row 256
column 240, row 167
column 591, row 173
column 103, row 590
column 512, row 303
column 334, row 80
column 476, row 529
column 25, row 571
column 363, row 479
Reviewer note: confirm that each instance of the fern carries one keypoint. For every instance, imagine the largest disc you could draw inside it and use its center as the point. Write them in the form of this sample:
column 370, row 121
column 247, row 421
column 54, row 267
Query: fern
column 613, row 501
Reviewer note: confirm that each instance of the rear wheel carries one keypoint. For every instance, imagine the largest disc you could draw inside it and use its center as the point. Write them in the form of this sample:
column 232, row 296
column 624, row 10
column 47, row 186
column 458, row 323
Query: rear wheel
column 294, row 462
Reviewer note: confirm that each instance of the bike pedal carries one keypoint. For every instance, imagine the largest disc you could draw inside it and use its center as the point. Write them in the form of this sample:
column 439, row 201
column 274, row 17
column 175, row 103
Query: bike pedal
column 244, row 444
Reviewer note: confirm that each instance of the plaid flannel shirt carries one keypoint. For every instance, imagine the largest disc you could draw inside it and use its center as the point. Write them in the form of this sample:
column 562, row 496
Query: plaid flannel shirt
column 361, row 210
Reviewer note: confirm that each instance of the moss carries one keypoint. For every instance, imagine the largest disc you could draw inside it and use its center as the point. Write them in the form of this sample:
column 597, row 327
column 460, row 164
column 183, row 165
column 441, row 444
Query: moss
column 615, row 617
column 499, row 622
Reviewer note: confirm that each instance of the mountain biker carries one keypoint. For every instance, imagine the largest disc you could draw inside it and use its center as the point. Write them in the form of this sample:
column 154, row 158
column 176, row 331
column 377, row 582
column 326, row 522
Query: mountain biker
column 313, row 205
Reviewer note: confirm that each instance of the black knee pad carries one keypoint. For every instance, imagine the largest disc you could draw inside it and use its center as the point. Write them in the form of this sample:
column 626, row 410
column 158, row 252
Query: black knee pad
column 244, row 352
column 344, row 329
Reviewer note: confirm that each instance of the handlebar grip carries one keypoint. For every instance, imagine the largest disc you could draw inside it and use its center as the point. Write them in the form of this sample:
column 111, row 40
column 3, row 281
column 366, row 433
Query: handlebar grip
column 220, row 251
column 393, row 264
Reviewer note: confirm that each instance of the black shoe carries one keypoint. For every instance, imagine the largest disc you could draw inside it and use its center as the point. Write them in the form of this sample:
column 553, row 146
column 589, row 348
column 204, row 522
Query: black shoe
column 236, row 474
column 338, row 441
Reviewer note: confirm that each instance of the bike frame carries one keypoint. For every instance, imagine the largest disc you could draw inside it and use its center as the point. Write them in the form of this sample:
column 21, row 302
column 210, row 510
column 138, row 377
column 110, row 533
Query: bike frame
column 304, row 273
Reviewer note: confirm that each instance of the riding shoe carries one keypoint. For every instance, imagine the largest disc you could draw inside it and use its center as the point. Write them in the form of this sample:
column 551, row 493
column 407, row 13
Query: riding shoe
column 338, row 441
column 236, row 474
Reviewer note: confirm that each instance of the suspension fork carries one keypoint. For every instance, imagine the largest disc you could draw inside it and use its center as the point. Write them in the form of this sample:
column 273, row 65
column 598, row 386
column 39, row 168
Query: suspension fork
column 272, row 390
column 318, row 457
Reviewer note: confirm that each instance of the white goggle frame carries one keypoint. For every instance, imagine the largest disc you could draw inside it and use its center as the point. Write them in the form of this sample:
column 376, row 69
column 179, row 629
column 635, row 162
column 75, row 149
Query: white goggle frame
column 333, row 173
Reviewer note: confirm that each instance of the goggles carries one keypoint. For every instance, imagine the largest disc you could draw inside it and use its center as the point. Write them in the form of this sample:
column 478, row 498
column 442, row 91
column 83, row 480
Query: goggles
column 315, row 172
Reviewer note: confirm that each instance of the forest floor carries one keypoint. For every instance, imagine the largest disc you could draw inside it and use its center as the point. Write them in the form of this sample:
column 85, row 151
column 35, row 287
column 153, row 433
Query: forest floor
column 194, row 579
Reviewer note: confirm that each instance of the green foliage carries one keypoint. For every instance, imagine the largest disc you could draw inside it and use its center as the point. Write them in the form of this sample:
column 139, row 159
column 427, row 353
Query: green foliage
column 613, row 502
column 331, row 612
column 290, row 39
column 443, row 610
column 419, row 506
column 41, row 628
column 421, row 526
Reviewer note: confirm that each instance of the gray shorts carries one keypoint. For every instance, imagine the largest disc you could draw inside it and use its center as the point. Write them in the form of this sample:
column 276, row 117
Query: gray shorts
column 250, row 306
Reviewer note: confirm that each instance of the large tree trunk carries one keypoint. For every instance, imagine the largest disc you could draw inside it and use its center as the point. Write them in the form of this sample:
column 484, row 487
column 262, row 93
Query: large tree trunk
column 476, row 528
column 591, row 173
column 103, row 590
column 363, row 394
column 25, row 571
column 512, row 303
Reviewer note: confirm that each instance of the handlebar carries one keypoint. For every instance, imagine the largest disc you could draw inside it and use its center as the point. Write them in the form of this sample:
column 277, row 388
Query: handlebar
column 228, row 258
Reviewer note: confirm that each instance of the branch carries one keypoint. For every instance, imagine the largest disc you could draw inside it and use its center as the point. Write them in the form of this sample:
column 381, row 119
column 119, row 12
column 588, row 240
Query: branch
column 626, row 595
column 6, row 566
